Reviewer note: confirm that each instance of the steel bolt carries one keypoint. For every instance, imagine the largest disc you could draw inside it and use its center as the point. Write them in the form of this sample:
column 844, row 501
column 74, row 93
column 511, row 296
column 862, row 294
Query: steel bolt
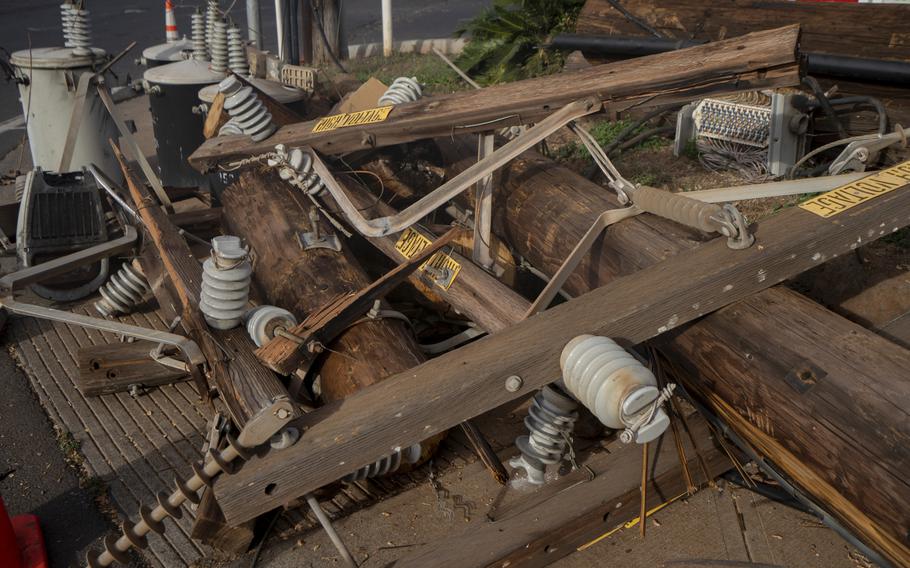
column 283, row 414
column 513, row 383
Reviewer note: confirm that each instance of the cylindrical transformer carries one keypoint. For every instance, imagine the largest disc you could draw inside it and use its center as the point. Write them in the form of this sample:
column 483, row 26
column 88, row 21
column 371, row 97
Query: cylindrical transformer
column 178, row 128
column 165, row 53
column 48, row 79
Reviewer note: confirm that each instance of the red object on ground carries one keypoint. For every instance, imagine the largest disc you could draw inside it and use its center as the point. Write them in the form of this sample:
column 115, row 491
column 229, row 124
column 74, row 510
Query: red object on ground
column 21, row 541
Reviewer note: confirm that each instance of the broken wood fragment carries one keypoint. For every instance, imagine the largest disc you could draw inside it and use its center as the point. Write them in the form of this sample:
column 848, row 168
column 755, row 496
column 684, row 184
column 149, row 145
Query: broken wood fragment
column 288, row 351
column 117, row 367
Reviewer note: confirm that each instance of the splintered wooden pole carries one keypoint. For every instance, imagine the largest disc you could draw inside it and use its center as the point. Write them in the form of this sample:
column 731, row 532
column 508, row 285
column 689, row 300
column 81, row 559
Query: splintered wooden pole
column 246, row 387
column 823, row 409
column 748, row 357
column 758, row 60
column 474, row 292
column 271, row 215
column 465, row 383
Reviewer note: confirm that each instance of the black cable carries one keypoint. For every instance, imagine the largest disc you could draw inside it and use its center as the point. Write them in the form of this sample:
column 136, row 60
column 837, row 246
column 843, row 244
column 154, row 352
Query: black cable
column 773, row 492
column 293, row 32
column 860, row 100
column 641, row 137
column 265, row 537
column 635, row 19
column 631, row 128
column 825, row 104
column 325, row 39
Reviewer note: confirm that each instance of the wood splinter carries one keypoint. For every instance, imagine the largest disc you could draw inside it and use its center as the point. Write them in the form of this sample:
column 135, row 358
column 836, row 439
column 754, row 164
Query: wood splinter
column 299, row 345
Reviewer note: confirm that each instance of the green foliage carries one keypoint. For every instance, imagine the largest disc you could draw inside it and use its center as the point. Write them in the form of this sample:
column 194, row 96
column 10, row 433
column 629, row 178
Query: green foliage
column 507, row 39
column 605, row 132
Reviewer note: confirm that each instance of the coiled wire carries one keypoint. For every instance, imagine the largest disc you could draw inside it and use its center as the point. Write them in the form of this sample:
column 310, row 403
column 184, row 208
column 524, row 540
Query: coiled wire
column 402, row 90
column 296, row 167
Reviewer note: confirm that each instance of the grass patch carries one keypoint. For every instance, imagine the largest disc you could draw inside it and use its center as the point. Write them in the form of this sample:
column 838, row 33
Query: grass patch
column 69, row 447
column 606, row 132
column 430, row 70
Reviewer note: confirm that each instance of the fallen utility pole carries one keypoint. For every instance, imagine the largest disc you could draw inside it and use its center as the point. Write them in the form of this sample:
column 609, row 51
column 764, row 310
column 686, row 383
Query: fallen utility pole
column 247, row 388
column 467, row 382
column 362, row 354
column 759, row 60
column 545, row 209
column 858, row 30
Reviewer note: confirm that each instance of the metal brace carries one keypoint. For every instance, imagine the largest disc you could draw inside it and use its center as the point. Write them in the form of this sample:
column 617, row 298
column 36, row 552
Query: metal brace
column 677, row 207
column 314, row 239
column 860, row 153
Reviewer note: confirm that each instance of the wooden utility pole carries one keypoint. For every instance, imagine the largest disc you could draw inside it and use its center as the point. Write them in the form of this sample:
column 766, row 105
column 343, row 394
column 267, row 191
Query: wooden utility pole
column 327, row 31
column 810, row 390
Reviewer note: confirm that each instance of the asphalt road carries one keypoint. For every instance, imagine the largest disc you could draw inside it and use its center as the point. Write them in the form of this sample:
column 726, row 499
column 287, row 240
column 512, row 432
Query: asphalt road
column 116, row 23
column 34, row 478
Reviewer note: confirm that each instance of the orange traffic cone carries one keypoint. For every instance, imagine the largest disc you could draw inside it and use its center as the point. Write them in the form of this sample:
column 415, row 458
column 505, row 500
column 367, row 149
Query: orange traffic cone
column 170, row 22
column 21, row 541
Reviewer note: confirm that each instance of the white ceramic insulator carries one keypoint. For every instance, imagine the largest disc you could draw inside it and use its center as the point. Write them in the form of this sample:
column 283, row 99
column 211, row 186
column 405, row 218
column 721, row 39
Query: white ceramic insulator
column 297, row 168
column 612, row 384
column 263, row 321
column 197, row 29
column 387, row 464
column 66, row 15
column 237, row 60
column 211, row 15
column 242, row 104
column 225, row 283
column 218, row 48
column 402, row 90
column 77, row 29
column 230, row 128
column 123, row 292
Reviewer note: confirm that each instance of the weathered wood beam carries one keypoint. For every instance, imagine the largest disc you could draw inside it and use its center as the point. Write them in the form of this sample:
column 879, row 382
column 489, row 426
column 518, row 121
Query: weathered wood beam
column 246, row 387
column 858, row 30
column 467, row 382
column 758, row 60
column 116, row 367
column 577, row 510
column 827, row 410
